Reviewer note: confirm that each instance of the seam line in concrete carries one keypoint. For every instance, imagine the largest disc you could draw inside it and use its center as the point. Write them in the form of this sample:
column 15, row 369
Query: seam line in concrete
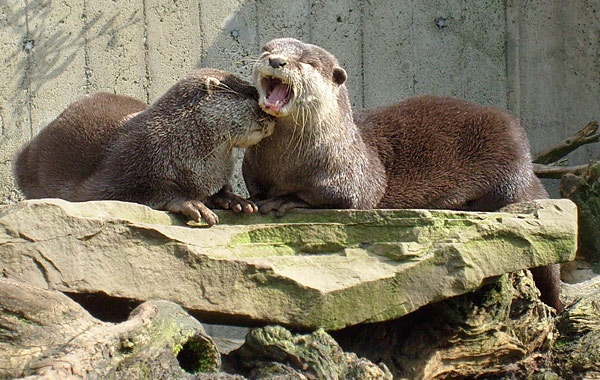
column 512, row 57
column 28, row 72
column 256, row 31
column 311, row 18
column 203, row 49
column 565, row 115
column 146, row 54
column 2, row 123
column 362, row 52
column 414, row 48
column 86, row 50
column 463, row 47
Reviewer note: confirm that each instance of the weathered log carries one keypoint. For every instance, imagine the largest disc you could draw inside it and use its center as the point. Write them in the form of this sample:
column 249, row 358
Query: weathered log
column 497, row 329
column 576, row 352
column 46, row 335
column 274, row 351
column 579, row 184
column 584, row 191
column 582, row 137
column 557, row 172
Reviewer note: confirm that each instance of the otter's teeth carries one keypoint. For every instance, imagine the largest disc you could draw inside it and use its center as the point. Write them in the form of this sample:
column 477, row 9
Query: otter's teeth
column 277, row 94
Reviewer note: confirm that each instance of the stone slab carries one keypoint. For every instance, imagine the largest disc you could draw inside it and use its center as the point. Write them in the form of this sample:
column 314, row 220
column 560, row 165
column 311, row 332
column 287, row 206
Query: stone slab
column 309, row 269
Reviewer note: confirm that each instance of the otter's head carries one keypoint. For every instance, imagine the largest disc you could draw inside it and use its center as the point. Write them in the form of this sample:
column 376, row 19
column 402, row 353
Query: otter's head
column 292, row 76
column 224, row 106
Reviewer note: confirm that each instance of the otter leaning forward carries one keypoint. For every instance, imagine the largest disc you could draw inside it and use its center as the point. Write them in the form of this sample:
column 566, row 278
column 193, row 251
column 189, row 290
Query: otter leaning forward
column 424, row 152
column 174, row 155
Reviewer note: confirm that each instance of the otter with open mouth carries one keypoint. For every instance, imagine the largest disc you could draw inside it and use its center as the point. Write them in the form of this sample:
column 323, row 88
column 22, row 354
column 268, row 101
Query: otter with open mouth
column 423, row 152
column 175, row 154
column 307, row 161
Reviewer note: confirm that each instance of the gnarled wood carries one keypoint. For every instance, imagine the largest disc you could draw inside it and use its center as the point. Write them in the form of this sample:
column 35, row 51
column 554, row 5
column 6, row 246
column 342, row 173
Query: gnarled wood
column 499, row 328
column 577, row 350
column 46, row 335
column 557, row 172
column 274, row 351
column 584, row 191
column 584, row 136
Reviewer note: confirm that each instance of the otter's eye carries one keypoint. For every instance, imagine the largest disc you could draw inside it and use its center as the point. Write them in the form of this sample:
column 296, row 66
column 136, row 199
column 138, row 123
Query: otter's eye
column 312, row 62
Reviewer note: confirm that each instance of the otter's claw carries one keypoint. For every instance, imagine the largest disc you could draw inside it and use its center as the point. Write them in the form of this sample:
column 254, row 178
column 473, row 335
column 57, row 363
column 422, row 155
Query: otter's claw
column 229, row 201
column 281, row 205
column 194, row 210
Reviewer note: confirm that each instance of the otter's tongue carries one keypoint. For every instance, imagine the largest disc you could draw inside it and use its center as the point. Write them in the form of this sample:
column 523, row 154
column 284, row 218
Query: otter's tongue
column 278, row 97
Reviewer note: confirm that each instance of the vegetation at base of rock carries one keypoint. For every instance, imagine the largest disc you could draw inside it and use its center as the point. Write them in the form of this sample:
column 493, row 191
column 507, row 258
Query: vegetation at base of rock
column 197, row 355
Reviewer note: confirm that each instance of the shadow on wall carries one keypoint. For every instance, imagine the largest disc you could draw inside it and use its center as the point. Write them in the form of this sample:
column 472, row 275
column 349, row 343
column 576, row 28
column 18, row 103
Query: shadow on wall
column 390, row 50
column 46, row 58
column 246, row 26
column 386, row 61
column 233, row 45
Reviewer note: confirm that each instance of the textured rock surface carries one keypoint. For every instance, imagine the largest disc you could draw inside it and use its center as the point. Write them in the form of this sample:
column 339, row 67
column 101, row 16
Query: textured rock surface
column 45, row 335
column 577, row 349
column 584, row 191
column 274, row 351
column 501, row 328
column 309, row 269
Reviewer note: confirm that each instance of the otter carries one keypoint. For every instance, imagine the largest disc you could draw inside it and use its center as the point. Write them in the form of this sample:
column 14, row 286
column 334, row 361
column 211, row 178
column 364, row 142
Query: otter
column 423, row 152
column 175, row 154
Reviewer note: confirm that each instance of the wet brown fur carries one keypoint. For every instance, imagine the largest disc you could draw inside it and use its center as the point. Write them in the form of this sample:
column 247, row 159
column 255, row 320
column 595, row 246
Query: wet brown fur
column 449, row 153
column 173, row 154
column 67, row 151
column 423, row 152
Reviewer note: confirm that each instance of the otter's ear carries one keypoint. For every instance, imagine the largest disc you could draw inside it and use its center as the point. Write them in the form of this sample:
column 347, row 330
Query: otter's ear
column 339, row 75
column 211, row 84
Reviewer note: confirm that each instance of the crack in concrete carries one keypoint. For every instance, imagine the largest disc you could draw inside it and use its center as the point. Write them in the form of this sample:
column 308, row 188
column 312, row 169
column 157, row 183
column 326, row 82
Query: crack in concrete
column 412, row 69
column 2, row 122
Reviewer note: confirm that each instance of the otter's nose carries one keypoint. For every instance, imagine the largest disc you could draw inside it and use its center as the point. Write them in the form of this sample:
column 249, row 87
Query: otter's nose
column 276, row 63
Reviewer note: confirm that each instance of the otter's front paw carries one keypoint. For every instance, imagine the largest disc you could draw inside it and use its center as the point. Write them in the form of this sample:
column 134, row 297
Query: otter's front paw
column 194, row 210
column 229, row 201
column 281, row 204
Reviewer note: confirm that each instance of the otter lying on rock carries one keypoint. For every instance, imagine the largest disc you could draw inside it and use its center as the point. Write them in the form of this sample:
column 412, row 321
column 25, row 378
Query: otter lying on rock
column 174, row 155
column 424, row 152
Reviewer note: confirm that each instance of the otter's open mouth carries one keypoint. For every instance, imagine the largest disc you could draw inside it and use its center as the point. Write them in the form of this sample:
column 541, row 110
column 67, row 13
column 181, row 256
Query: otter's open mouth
column 277, row 93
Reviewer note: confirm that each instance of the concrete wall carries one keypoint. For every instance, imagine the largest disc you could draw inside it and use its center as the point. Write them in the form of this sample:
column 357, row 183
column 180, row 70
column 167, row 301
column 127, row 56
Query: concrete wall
column 539, row 58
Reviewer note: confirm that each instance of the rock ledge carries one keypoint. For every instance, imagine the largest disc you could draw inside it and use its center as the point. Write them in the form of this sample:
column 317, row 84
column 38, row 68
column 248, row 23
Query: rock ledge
column 310, row 269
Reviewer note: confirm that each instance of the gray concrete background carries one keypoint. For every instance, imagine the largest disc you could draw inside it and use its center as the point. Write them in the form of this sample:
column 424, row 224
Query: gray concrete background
column 538, row 58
